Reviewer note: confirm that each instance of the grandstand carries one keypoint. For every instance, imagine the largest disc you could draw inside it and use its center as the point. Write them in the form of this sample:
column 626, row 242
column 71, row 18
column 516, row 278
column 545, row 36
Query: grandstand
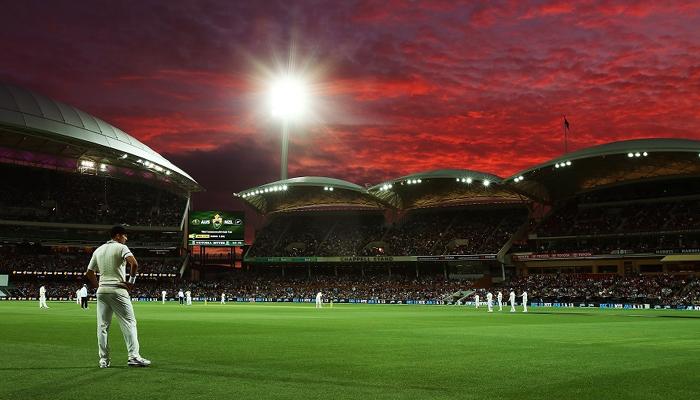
column 624, row 209
column 68, row 177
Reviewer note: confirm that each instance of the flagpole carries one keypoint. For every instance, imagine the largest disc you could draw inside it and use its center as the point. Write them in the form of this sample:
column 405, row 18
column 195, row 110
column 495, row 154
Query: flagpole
column 566, row 139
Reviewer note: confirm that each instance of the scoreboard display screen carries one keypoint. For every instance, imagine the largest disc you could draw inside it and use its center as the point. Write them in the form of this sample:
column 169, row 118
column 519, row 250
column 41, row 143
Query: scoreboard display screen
column 216, row 228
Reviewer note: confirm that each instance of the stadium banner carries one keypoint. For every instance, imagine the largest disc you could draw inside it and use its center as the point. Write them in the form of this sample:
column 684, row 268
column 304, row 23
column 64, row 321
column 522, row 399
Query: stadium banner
column 549, row 256
column 216, row 228
column 370, row 259
column 335, row 301
column 677, row 251
column 82, row 273
column 379, row 259
column 461, row 257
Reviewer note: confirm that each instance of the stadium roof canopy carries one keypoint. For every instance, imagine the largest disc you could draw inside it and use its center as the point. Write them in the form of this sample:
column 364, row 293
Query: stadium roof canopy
column 309, row 192
column 444, row 187
column 609, row 165
column 35, row 123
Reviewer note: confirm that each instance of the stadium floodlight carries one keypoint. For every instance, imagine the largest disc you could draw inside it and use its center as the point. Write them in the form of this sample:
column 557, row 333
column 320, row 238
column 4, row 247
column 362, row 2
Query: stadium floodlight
column 487, row 182
column 288, row 101
column 568, row 163
column 288, row 98
column 469, row 180
column 630, row 155
column 645, row 154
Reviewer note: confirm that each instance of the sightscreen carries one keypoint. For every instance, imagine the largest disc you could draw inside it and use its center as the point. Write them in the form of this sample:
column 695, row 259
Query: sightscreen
column 216, row 228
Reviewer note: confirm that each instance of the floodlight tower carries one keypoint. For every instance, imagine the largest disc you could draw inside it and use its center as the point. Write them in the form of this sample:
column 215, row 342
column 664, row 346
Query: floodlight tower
column 288, row 101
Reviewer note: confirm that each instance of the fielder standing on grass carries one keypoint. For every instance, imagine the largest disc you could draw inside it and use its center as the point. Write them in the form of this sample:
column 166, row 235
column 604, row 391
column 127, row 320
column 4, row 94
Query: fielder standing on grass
column 524, row 301
column 319, row 302
column 84, row 297
column 511, row 298
column 489, row 301
column 500, row 301
column 42, row 297
column 110, row 261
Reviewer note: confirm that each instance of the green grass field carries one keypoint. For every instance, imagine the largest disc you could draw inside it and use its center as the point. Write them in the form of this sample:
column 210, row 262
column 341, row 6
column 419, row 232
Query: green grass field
column 268, row 351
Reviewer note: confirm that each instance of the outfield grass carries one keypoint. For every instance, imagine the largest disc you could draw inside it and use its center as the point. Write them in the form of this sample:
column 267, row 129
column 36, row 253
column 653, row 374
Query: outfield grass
column 268, row 351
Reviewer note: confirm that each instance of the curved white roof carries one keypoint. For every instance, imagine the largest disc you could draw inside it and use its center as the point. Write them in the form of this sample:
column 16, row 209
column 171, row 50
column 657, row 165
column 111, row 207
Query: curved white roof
column 21, row 108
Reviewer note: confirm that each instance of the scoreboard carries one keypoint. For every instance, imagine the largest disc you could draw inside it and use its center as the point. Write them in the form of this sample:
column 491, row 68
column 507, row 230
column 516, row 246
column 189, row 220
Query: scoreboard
column 216, row 228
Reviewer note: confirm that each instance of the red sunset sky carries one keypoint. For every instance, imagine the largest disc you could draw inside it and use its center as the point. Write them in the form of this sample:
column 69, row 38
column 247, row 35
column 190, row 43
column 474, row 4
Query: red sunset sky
column 399, row 86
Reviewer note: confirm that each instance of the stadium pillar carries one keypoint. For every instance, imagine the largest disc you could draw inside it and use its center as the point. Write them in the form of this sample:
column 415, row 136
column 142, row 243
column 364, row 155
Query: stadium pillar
column 285, row 150
column 362, row 270
column 335, row 270
column 444, row 271
column 416, row 270
column 308, row 269
column 389, row 268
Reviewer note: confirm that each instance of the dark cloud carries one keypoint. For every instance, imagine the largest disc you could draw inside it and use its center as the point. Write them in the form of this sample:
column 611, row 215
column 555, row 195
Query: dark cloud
column 401, row 87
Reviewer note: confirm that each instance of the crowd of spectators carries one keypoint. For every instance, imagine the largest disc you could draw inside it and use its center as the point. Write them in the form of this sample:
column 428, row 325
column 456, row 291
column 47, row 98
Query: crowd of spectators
column 582, row 219
column 32, row 194
column 622, row 244
column 608, row 288
column 79, row 263
column 272, row 288
column 653, row 289
column 636, row 208
column 421, row 232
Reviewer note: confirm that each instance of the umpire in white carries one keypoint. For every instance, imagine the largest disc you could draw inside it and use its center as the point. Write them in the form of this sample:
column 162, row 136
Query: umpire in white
column 110, row 261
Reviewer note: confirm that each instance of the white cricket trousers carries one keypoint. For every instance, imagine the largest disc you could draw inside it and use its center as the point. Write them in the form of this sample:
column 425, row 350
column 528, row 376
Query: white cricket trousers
column 42, row 302
column 319, row 304
column 116, row 301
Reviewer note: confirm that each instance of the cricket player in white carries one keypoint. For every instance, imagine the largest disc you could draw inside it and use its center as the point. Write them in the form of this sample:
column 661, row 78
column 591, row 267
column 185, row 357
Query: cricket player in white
column 511, row 298
column 319, row 302
column 500, row 300
column 524, row 301
column 489, row 301
column 42, row 297
column 162, row 294
column 84, row 297
column 77, row 296
column 110, row 261
column 476, row 300
column 181, row 296
column 188, row 296
column 223, row 298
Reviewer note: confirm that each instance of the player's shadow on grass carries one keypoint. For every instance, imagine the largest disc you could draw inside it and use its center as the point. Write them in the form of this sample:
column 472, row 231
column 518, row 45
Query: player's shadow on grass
column 44, row 368
column 296, row 380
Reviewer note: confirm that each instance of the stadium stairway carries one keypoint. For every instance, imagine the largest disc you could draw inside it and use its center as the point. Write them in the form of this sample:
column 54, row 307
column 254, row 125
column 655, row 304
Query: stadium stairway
column 465, row 295
column 457, row 296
